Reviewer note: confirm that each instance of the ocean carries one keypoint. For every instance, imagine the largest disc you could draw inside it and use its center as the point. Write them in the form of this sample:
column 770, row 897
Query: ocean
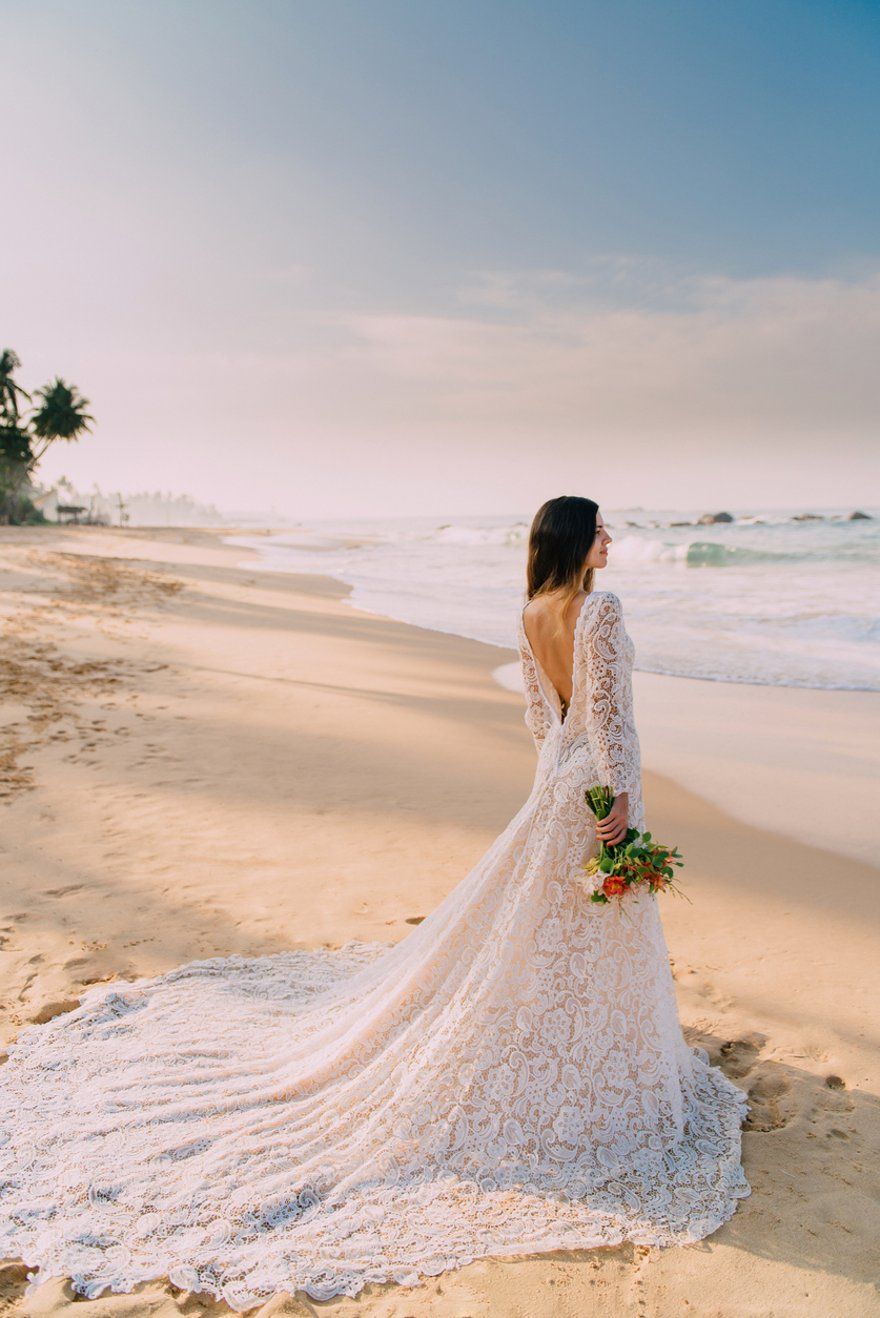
column 772, row 597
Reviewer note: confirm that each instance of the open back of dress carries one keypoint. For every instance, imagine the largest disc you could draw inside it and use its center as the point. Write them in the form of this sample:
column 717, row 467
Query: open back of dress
column 511, row 1077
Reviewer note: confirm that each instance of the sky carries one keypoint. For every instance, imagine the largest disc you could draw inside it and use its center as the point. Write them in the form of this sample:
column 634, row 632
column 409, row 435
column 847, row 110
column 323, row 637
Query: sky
column 329, row 258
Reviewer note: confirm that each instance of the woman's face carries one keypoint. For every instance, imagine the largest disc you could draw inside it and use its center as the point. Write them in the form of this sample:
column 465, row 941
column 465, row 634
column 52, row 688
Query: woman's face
column 598, row 555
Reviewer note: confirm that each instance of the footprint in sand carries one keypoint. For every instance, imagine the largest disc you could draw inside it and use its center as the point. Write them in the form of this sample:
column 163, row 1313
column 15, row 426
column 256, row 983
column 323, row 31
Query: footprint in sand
column 77, row 962
column 832, row 1097
column 739, row 1055
column 52, row 1009
column 13, row 1282
column 716, row 997
column 771, row 1109
column 62, row 892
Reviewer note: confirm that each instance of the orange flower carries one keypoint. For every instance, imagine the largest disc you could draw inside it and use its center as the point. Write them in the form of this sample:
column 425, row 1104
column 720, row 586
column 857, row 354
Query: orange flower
column 614, row 885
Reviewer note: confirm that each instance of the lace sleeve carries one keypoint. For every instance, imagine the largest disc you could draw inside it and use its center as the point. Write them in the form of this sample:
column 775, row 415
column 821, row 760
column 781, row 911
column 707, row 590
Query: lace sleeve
column 609, row 718
column 537, row 716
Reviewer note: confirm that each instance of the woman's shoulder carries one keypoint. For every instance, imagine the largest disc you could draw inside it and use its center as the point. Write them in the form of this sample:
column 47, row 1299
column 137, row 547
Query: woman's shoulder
column 602, row 613
column 598, row 603
column 607, row 600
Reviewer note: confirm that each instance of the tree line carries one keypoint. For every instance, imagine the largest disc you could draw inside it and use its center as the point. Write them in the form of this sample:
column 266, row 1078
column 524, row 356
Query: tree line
column 29, row 424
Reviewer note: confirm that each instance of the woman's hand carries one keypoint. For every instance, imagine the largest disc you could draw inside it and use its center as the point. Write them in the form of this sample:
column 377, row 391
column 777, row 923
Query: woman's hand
column 612, row 829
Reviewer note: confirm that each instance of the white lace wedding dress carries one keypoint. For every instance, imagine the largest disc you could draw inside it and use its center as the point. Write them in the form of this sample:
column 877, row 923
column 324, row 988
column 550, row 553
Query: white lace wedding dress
column 510, row 1078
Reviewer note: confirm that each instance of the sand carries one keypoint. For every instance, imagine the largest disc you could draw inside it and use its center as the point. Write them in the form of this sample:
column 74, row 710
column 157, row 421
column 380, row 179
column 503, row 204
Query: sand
column 199, row 759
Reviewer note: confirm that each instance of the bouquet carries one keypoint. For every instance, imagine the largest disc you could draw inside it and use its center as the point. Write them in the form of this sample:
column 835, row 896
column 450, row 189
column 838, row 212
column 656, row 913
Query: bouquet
column 637, row 861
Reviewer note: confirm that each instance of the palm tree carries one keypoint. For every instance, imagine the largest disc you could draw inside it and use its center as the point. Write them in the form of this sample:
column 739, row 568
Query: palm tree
column 60, row 414
column 15, row 445
column 15, row 442
column 9, row 390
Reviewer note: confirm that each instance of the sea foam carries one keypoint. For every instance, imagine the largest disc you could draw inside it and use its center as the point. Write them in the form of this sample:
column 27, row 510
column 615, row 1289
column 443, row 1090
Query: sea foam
column 767, row 598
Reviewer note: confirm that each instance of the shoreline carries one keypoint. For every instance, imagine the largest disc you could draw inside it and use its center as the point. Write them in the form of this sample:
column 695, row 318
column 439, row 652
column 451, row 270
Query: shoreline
column 752, row 776
column 751, row 636
column 200, row 759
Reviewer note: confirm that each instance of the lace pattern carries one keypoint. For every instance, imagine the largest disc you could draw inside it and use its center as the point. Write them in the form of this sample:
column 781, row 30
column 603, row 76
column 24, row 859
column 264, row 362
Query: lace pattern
column 510, row 1077
column 608, row 660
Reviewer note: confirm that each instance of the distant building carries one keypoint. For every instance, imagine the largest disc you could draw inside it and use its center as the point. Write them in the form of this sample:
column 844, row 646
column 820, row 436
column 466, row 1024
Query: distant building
column 70, row 512
column 47, row 502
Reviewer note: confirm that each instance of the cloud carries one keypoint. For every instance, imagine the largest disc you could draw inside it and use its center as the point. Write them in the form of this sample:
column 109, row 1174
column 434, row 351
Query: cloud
column 765, row 389
column 750, row 358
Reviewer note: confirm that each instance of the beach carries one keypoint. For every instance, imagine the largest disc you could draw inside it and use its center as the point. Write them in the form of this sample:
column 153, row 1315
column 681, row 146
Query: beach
column 198, row 758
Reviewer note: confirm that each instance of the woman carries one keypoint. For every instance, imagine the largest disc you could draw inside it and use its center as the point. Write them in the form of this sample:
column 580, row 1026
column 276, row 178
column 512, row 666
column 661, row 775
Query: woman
column 509, row 1078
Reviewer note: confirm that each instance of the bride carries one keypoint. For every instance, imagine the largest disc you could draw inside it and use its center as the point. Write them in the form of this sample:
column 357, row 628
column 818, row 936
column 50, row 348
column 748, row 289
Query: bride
column 509, row 1078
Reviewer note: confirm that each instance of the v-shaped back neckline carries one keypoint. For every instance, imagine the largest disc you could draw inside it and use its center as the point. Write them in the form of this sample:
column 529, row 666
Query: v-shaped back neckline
column 543, row 676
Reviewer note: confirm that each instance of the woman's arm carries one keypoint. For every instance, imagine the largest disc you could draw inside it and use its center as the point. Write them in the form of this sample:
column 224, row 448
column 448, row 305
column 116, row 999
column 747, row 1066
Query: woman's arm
column 537, row 717
column 615, row 753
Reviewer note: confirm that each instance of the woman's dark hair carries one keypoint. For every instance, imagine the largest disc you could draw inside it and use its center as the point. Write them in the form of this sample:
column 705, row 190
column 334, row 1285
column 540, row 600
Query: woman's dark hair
column 561, row 537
